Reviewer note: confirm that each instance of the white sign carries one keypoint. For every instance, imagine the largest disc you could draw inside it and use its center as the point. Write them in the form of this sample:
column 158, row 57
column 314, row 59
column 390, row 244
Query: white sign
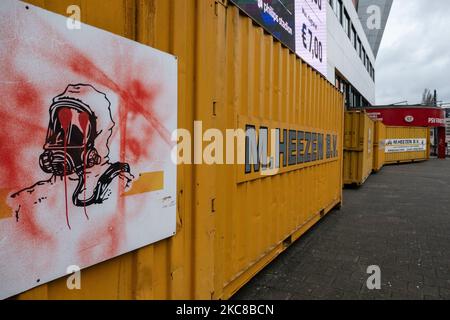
column 405, row 145
column 86, row 131
column 374, row 115
column 436, row 121
column 311, row 33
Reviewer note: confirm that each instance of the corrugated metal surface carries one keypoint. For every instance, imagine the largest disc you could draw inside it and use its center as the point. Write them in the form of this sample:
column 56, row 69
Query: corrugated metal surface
column 231, row 73
column 378, row 146
column 358, row 147
column 408, row 133
column 268, row 85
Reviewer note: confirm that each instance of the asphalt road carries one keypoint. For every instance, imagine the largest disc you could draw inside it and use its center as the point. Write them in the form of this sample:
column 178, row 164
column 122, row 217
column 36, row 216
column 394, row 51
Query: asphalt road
column 398, row 220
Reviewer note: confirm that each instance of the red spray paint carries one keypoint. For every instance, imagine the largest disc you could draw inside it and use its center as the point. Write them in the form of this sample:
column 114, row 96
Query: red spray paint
column 65, row 118
column 83, row 119
column 136, row 100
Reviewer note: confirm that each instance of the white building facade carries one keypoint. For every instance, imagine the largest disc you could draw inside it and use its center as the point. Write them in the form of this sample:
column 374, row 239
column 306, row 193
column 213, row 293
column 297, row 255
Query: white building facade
column 351, row 58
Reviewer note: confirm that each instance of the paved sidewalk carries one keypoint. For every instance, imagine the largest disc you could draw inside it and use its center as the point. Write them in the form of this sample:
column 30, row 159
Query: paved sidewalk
column 399, row 220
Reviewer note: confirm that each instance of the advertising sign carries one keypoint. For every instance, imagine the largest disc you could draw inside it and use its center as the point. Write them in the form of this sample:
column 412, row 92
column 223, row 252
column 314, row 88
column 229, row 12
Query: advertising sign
column 301, row 25
column 86, row 172
column 264, row 147
column 405, row 145
column 276, row 16
column 311, row 33
column 409, row 116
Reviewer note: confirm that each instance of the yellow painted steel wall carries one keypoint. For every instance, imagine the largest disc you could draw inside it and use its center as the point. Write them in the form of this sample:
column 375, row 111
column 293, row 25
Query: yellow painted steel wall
column 230, row 71
column 378, row 146
column 358, row 147
column 408, row 133
column 266, row 84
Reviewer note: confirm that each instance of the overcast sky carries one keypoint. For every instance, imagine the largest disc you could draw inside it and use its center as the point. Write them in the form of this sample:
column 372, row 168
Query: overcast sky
column 415, row 52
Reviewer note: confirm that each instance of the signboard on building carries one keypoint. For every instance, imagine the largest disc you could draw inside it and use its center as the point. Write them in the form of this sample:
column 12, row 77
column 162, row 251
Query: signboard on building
column 276, row 16
column 301, row 25
column 405, row 145
column 414, row 116
column 311, row 33
column 86, row 174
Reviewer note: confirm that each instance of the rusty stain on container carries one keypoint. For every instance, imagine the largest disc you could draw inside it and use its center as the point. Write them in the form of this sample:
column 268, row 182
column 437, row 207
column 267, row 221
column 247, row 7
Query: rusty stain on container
column 408, row 133
column 358, row 147
column 379, row 146
column 230, row 72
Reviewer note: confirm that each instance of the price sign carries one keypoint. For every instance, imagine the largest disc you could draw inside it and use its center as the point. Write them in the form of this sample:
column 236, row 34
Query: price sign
column 301, row 25
column 311, row 33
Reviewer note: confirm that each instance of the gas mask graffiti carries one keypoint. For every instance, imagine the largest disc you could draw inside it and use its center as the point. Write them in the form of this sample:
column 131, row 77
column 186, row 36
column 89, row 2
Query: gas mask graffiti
column 77, row 140
column 69, row 147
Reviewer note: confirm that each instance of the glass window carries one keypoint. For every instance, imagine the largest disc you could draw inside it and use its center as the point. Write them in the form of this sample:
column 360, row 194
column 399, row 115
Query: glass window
column 352, row 97
column 365, row 102
column 338, row 10
column 364, row 56
column 359, row 47
column 358, row 100
column 367, row 63
column 345, row 92
column 354, row 38
column 346, row 23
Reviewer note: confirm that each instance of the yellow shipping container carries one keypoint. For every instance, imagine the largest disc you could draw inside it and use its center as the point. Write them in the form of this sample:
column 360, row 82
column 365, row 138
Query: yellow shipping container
column 229, row 224
column 358, row 147
column 407, row 144
column 379, row 146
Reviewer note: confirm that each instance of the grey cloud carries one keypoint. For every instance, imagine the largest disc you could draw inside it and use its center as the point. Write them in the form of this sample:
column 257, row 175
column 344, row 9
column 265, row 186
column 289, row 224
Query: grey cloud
column 415, row 52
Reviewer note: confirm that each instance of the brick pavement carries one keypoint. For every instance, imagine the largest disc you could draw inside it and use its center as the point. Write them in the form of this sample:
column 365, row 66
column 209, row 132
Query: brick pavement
column 399, row 220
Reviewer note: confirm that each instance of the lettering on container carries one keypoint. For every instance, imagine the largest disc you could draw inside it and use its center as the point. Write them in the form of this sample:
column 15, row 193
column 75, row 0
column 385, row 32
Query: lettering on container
column 288, row 148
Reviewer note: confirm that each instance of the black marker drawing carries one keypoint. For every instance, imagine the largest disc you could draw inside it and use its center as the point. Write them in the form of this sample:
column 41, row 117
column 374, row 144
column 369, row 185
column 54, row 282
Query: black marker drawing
column 77, row 147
